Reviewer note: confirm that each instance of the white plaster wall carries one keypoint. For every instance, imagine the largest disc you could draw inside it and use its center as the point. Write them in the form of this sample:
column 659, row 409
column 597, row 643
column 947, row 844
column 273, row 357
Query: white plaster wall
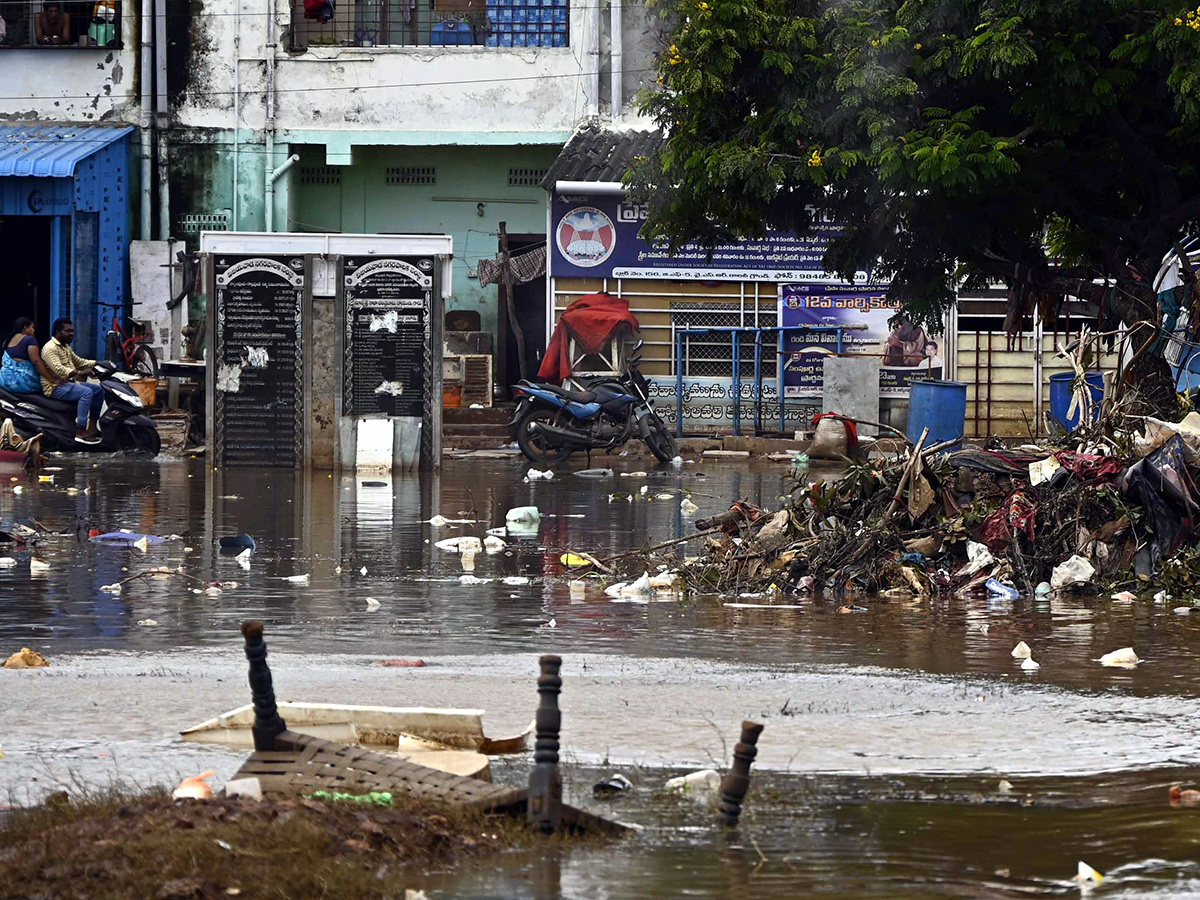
column 488, row 90
column 88, row 85
column 151, row 278
column 450, row 89
column 395, row 89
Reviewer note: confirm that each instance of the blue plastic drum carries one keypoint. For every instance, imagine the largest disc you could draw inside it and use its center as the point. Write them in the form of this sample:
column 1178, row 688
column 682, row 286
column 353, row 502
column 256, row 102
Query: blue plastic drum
column 940, row 406
column 1060, row 397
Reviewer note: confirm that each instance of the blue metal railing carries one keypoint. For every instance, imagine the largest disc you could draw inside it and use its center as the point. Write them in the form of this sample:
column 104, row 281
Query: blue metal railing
column 735, row 336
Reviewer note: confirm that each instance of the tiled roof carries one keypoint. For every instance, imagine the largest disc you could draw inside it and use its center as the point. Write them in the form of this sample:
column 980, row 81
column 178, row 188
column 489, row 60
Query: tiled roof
column 598, row 154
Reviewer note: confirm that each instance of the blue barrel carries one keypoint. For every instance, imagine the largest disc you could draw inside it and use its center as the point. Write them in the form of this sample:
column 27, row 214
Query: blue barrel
column 1060, row 397
column 940, row 406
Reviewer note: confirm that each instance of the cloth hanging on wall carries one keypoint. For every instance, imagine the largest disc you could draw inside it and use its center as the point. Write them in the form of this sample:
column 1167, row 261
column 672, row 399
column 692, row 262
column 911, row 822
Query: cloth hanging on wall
column 526, row 267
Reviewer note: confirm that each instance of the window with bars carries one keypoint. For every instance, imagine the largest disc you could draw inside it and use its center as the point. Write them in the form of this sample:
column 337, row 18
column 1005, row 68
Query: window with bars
column 526, row 177
column 320, row 174
column 711, row 355
column 411, row 175
column 76, row 23
column 435, row 23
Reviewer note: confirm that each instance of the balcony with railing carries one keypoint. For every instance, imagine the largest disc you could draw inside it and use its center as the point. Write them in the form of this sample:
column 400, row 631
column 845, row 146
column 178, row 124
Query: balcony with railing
column 430, row 23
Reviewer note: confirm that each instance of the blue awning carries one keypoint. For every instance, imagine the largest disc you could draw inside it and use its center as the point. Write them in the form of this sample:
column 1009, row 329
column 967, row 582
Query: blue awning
column 52, row 150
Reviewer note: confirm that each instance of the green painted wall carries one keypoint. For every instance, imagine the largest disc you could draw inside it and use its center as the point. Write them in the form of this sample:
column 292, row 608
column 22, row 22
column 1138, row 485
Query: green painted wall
column 358, row 199
column 202, row 170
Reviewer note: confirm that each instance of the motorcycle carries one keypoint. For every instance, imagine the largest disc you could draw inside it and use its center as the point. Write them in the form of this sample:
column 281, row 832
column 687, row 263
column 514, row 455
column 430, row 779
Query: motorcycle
column 122, row 424
column 552, row 422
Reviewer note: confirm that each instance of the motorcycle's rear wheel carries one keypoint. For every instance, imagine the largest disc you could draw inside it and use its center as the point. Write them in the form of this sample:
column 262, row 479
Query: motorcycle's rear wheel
column 537, row 446
column 139, row 440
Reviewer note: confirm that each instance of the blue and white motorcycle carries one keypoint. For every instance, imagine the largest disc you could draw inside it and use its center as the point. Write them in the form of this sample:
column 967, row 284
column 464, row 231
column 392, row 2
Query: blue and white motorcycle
column 552, row 422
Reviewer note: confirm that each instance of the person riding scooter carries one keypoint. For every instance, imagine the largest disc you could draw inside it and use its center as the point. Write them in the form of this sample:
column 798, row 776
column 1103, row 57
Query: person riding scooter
column 68, row 369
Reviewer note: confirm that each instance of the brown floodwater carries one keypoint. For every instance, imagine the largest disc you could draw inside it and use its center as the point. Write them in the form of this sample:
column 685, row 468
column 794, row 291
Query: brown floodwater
column 887, row 730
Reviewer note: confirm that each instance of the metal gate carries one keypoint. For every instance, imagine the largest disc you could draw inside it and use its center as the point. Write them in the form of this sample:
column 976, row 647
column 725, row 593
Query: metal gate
column 1008, row 381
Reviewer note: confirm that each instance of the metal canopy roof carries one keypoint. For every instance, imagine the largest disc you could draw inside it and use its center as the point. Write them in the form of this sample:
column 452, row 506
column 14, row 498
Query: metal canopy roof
column 52, row 150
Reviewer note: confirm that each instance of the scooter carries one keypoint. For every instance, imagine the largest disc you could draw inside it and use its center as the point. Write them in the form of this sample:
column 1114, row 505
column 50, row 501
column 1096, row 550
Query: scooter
column 123, row 426
column 552, row 422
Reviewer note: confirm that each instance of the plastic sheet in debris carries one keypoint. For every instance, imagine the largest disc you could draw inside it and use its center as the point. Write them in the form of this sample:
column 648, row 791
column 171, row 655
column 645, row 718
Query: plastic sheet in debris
column 466, row 544
column 979, row 557
column 523, row 520
column 1158, row 433
column 126, row 538
column 992, row 461
column 1160, row 483
column 1071, row 572
column 699, row 785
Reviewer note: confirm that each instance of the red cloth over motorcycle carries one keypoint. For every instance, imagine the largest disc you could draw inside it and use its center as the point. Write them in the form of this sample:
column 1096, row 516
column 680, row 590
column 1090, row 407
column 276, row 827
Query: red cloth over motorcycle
column 592, row 321
column 1016, row 513
column 851, row 429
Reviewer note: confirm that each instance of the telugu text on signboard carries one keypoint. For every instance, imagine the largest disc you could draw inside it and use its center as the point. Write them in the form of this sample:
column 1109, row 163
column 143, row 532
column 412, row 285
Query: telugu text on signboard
column 386, row 335
column 259, row 407
column 598, row 237
column 907, row 353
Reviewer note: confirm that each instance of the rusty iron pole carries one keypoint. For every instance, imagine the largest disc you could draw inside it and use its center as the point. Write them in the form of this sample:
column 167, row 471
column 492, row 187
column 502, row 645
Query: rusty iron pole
column 737, row 780
column 545, row 781
column 267, row 721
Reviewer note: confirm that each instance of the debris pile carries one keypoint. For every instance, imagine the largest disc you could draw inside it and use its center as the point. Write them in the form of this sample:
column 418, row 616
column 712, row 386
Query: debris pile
column 1108, row 506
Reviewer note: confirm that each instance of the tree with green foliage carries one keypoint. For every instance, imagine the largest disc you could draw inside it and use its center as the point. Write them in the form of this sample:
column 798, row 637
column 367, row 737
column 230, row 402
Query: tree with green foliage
column 1044, row 143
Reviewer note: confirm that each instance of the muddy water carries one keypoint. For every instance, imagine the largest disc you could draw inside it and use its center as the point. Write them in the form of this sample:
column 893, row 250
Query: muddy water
column 912, row 694
column 877, row 837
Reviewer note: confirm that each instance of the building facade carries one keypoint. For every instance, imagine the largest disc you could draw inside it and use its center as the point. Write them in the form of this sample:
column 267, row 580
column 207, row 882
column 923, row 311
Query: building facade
column 372, row 116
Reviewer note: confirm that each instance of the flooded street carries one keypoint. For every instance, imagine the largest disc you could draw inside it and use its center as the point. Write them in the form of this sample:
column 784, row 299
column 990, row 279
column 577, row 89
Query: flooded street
column 887, row 731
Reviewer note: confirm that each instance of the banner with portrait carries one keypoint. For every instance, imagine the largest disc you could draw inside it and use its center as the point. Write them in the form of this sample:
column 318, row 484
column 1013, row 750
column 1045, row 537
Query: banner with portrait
column 907, row 352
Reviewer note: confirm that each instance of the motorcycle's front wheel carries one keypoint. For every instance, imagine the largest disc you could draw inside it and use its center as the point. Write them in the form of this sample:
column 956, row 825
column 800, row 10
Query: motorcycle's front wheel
column 660, row 441
column 538, row 446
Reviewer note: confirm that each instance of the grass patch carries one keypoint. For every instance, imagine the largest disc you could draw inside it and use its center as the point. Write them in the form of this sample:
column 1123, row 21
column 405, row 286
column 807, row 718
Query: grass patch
column 120, row 845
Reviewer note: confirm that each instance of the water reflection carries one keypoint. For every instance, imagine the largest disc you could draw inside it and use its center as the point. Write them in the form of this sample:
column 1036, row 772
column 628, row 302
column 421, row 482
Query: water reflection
column 838, row 837
column 859, row 837
column 319, row 524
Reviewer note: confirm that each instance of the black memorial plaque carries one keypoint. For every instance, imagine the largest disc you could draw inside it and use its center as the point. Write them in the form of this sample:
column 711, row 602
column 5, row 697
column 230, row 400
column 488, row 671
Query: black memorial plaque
column 259, row 410
column 386, row 352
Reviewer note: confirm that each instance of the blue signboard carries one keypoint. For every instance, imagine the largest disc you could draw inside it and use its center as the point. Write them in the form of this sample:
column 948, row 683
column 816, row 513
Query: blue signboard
column 906, row 352
column 597, row 237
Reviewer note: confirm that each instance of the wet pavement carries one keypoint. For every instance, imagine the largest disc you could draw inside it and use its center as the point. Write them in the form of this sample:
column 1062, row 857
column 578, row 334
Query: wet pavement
column 886, row 734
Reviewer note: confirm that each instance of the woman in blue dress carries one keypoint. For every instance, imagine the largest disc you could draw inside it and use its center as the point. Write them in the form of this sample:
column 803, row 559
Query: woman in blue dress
column 22, row 366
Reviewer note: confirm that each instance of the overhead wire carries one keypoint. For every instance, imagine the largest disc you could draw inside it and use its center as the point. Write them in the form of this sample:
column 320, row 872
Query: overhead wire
column 335, row 89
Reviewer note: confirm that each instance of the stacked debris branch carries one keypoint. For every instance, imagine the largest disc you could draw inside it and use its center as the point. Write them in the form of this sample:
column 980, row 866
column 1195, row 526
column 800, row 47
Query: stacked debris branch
column 1110, row 504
